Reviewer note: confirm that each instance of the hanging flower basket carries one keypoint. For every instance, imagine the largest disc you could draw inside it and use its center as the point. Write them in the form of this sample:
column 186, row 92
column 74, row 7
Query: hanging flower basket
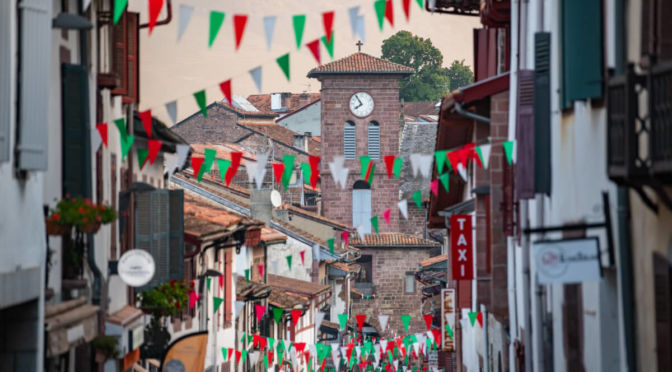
column 89, row 228
column 54, row 227
column 81, row 213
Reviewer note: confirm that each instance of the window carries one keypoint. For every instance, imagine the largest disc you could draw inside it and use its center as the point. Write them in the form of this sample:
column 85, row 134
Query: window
column 374, row 140
column 349, row 141
column 409, row 283
column 366, row 273
column 361, row 206
column 125, row 59
column 76, row 136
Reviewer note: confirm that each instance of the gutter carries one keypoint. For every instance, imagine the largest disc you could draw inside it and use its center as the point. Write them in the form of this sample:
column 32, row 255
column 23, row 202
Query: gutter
column 460, row 110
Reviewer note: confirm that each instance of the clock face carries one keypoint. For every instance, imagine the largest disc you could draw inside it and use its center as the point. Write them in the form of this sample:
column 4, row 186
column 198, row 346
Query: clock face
column 361, row 104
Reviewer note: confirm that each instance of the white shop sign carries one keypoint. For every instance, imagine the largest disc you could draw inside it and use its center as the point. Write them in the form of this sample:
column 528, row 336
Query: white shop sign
column 567, row 260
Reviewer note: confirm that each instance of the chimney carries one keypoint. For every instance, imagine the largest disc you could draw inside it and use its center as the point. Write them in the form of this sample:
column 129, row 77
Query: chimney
column 276, row 102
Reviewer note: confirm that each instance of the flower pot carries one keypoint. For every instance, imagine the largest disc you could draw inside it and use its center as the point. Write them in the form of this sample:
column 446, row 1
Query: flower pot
column 89, row 228
column 55, row 228
column 100, row 357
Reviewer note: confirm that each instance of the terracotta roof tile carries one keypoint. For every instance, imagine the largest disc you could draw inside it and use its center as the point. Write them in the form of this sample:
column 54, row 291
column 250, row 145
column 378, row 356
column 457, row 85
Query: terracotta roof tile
column 290, row 101
column 360, row 63
column 420, row 108
column 286, row 300
column 433, row 260
column 261, row 113
column 270, row 235
column 281, row 134
column 202, row 218
column 296, row 286
column 313, row 216
column 251, row 288
column 392, row 240
column 124, row 316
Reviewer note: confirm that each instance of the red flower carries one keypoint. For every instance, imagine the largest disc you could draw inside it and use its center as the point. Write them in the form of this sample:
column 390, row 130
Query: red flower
column 172, row 283
column 98, row 218
column 85, row 220
column 177, row 304
column 81, row 210
column 56, row 217
column 193, row 283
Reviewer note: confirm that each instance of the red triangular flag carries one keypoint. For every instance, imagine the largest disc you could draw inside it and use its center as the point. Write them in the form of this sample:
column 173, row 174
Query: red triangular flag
column 454, row 159
column 296, row 314
column 299, row 346
column 314, row 47
column 437, row 337
column 270, row 357
column 154, row 146
column 360, row 321
column 239, row 22
column 428, row 320
column 389, row 164
column 146, row 117
column 435, row 187
column 278, row 170
column 102, row 130
column 233, row 168
column 262, row 342
column 221, row 282
column 226, row 90
column 230, row 354
column 314, row 170
column 238, row 353
column 479, row 318
column 345, row 235
column 389, row 13
column 386, row 216
column 302, row 254
column 306, row 356
column 328, row 22
column 261, row 270
column 260, row 310
column 154, row 11
column 196, row 165
column 407, row 8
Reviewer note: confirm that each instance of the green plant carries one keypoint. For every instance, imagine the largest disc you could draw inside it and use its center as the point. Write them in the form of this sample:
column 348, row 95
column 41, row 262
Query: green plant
column 166, row 299
column 106, row 345
column 80, row 212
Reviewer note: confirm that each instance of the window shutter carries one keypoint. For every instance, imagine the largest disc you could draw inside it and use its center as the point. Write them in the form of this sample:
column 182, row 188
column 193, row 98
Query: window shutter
column 228, row 278
column 581, row 50
column 152, row 232
column 76, row 137
column 542, row 113
column 119, row 55
column 125, row 57
column 374, row 140
column 663, row 308
column 525, row 136
column 361, row 209
column 5, row 81
column 35, row 56
column 176, row 234
column 349, row 141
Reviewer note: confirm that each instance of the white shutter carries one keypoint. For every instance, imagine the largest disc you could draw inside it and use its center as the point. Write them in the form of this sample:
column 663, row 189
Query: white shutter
column 374, row 140
column 6, row 36
column 35, row 47
column 349, row 141
column 361, row 210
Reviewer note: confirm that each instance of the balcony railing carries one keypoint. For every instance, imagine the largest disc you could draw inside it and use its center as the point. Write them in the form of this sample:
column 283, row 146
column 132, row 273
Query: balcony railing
column 660, row 106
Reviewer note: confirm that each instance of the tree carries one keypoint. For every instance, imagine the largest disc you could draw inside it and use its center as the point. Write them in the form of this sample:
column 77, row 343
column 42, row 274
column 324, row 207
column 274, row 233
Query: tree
column 459, row 74
column 431, row 80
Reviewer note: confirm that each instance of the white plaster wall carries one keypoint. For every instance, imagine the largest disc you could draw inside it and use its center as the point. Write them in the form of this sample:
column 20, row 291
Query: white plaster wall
column 306, row 120
column 278, row 253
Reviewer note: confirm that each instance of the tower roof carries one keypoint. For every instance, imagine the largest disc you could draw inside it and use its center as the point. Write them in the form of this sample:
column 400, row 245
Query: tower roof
column 360, row 63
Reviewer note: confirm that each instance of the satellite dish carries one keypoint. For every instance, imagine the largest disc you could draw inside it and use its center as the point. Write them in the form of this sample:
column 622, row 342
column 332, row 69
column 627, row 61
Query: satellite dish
column 276, row 198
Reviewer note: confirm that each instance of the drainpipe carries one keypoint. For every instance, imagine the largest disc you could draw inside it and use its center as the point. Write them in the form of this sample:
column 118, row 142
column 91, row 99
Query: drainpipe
column 460, row 110
column 626, row 277
column 486, row 352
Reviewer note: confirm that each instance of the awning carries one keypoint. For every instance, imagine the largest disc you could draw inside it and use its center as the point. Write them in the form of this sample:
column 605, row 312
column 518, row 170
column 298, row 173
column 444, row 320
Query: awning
column 69, row 324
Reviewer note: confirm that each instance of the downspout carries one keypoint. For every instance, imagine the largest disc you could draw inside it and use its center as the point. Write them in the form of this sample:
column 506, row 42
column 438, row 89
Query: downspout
column 460, row 110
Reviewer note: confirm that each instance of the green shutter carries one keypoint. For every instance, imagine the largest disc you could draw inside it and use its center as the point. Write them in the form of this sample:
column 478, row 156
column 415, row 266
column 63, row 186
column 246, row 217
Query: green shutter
column 542, row 113
column 76, row 137
column 152, row 232
column 176, row 234
column 581, row 50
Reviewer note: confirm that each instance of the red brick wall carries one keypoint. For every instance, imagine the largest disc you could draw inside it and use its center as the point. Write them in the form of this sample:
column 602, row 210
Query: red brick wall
column 336, row 92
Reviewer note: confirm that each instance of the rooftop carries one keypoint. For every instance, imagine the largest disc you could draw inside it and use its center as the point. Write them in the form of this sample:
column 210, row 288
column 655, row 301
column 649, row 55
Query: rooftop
column 285, row 300
column 434, row 260
column 290, row 101
column 392, row 240
column 360, row 63
column 202, row 219
column 281, row 134
column 421, row 108
column 296, row 286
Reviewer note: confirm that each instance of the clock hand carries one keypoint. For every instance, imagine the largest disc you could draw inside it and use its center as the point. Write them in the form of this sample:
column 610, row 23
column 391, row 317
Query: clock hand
column 358, row 100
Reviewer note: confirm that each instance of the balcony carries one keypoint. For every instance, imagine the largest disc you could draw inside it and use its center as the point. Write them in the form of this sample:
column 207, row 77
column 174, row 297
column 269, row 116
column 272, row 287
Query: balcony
column 660, row 106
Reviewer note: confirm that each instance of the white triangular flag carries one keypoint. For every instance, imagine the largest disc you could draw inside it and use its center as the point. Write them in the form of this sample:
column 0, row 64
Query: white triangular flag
column 251, row 169
column 255, row 73
column 254, row 358
column 358, row 349
column 319, row 317
column 403, row 208
column 269, row 28
column 175, row 162
column 334, row 356
column 260, row 173
column 462, row 171
column 274, row 266
column 421, row 163
column 185, row 16
column 485, row 153
column 239, row 307
column 361, row 28
column 396, row 364
column 171, row 108
column 85, row 4
column 430, row 335
column 352, row 13
column 416, row 347
column 338, row 172
column 382, row 319
column 316, row 252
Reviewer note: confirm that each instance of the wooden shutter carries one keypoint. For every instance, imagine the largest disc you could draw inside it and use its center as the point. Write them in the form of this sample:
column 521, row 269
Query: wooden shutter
column 507, row 204
column 76, row 136
column 113, row 195
column 663, row 308
column 6, row 72
column 656, row 31
column 125, row 57
column 542, row 113
column 152, row 232
column 361, row 209
column 374, row 140
column 349, row 141
column 34, row 79
column 581, row 50
column 176, row 234
column 525, row 136
column 229, row 297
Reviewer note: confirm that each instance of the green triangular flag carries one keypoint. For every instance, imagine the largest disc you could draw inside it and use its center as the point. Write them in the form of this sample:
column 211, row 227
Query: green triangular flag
column 216, row 19
column 126, row 145
column 247, row 275
column 280, row 348
column 200, row 100
column 243, row 355
column 277, row 314
column 299, row 22
column 283, row 62
column 342, row 320
column 216, row 302
column 208, row 279
column 445, row 181
column 225, row 353
column 329, row 45
column 364, row 165
column 508, row 150
column 142, row 156
column 440, row 158
column 417, row 198
column 271, row 342
column 330, row 243
column 472, row 317
column 380, row 12
column 266, row 362
column 243, row 339
column 406, row 320
column 119, row 7
column 223, row 166
column 207, row 163
column 305, row 168
column 374, row 223
column 289, row 262
column 250, row 338
column 449, row 330
column 396, row 168
column 121, row 126
column 421, row 3
column 288, row 160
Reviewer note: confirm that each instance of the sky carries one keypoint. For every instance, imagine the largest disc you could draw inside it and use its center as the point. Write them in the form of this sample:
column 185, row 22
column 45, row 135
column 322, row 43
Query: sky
column 174, row 70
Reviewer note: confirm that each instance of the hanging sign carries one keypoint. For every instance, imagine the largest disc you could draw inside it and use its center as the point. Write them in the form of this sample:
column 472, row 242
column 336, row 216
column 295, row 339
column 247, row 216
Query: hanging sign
column 136, row 267
column 567, row 261
column 461, row 247
column 448, row 319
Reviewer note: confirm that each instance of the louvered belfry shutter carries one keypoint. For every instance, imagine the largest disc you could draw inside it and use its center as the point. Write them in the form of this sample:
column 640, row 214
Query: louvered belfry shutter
column 374, row 140
column 176, row 234
column 525, row 136
column 152, row 232
column 542, row 113
column 35, row 58
column 5, row 74
column 349, row 141
column 76, row 136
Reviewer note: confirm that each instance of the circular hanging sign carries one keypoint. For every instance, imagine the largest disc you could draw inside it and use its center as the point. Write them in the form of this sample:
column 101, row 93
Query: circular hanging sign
column 136, row 267
column 276, row 198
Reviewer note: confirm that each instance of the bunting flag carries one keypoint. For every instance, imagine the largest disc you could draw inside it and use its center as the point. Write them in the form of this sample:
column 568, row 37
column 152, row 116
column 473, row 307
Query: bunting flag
column 417, row 198
column 241, row 355
column 239, row 22
column 283, row 62
column 328, row 23
column 445, row 181
column 389, row 164
column 472, row 317
column 119, row 7
column 216, row 20
column 269, row 28
column 193, row 298
column 386, row 216
column 316, row 252
column 261, row 270
column 440, row 160
column 389, row 12
column 374, row 223
column 339, row 172
column 329, row 45
column 236, row 157
column 278, row 169
column 154, row 146
column 221, row 282
column 225, row 87
column 126, row 144
column 303, row 257
column 121, row 126
column 196, row 166
column 296, row 314
column 509, row 147
column 352, row 14
column 277, row 314
column 299, row 23
column 421, row 163
column 305, row 169
column 380, row 6
column 483, row 152
column 186, row 11
column 225, row 354
column 428, row 321
column 171, row 109
column 319, row 317
column 288, row 161
column 255, row 73
column 239, row 307
column 361, row 28
column 330, row 243
column 314, row 47
column 406, row 320
column 247, row 275
column 102, row 131
column 462, row 171
column 361, row 318
column 421, row 3
column 142, row 157
column 403, row 208
column 382, row 319
column 154, row 7
column 289, row 261
column 260, row 310
column 342, row 320
column 314, row 170
column 201, row 101
column 223, row 166
column 345, row 235
column 146, row 118
column 479, row 318
column 396, row 169
column 216, row 302
column 406, row 4
column 367, row 168
column 207, row 163
column 434, row 186
column 449, row 331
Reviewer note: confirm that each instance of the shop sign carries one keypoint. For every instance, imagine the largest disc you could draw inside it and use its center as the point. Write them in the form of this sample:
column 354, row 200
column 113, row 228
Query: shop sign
column 448, row 319
column 461, row 247
column 136, row 267
column 567, row 261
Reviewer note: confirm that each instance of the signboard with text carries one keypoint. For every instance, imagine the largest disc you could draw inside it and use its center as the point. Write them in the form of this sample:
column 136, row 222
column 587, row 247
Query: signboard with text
column 461, row 247
column 567, row 261
column 448, row 319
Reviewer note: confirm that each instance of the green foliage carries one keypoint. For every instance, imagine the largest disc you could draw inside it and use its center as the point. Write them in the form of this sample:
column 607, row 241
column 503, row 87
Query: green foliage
column 81, row 211
column 166, row 299
column 430, row 81
column 459, row 74
column 106, row 345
